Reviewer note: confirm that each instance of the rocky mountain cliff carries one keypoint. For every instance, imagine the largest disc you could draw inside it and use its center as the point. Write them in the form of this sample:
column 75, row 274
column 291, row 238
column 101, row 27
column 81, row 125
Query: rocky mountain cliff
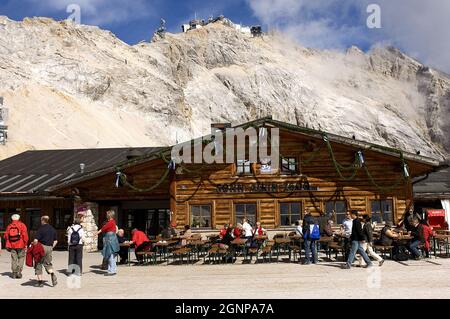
column 77, row 86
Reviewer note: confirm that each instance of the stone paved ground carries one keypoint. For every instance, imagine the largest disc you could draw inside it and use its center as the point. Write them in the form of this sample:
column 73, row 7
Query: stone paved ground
column 413, row 279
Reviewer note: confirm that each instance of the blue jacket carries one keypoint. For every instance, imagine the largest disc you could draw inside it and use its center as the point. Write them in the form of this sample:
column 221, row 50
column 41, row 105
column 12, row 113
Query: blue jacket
column 110, row 245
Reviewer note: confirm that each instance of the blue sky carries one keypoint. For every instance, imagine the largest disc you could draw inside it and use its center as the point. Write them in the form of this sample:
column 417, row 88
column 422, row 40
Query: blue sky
column 418, row 27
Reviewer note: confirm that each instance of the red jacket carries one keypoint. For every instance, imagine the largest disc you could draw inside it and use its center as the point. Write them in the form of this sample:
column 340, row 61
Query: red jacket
column 427, row 233
column 237, row 233
column 139, row 237
column 16, row 228
column 34, row 253
column 110, row 226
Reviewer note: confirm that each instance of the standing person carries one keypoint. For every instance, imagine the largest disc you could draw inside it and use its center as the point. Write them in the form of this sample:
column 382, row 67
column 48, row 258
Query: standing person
column 368, row 244
column 311, row 234
column 46, row 235
column 75, row 238
column 247, row 228
column 417, row 233
column 16, row 237
column 347, row 225
column 141, row 242
column 357, row 238
column 110, row 243
column 427, row 234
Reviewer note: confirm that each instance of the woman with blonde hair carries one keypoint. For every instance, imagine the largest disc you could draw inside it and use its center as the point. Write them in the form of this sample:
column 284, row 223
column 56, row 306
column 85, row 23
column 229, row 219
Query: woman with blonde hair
column 110, row 242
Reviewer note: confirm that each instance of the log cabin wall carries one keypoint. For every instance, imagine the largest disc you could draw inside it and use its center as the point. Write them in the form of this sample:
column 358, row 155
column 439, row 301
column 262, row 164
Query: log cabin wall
column 60, row 212
column 315, row 165
column 197, row 185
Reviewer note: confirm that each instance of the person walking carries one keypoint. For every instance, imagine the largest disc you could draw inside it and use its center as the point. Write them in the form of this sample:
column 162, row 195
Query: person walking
column 16, row 237
column 46, row 235
column 356, row 238
column 75, row 237
column 368, row 244
column 110, row 243
column 346, row 226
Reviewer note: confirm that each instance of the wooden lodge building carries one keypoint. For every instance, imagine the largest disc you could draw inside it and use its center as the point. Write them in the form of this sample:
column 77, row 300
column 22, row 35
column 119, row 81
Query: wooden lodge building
column 326, row 173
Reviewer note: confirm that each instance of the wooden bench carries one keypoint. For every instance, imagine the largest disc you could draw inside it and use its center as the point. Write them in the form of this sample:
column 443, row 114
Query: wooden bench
column 384, row 249
column 181, row 253
column 149, row 256
column 293, row 251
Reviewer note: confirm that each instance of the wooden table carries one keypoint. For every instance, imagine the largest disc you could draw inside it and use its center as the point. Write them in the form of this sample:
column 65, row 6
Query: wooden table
column 240, row 242
column 161, row 247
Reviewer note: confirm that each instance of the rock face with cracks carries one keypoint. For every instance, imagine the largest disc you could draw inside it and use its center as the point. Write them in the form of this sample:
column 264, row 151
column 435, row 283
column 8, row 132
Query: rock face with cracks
column 77, row 86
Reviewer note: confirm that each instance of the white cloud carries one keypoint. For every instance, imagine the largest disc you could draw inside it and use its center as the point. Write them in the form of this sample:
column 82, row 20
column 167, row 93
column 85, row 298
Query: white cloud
column 99, row 12
column 418, row 27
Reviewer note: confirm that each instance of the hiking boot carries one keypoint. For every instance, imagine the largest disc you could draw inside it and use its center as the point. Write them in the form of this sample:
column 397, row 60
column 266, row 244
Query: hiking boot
column 19, row 275
column 40, row 284
column 14, row 275
column 54, row 280
column 381, row 262
column 346, row 266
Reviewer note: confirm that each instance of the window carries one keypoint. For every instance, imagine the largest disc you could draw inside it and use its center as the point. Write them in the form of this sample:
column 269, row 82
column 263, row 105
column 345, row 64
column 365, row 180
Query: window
column 289, row 165
column 201, row 216
column 337, row 209
column 243, row 167
column 63, row 217
column 33, row 219
column 289, row 213
column 2, row 219
column 382, row 211
column 245, row 211
column 156, row 220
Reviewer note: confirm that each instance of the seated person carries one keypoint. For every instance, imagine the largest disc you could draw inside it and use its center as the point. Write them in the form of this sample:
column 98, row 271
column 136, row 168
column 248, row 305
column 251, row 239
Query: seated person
column 223, row 231
column 141, row 242
column 237, row 232
column 187, row 233
column 170, row 231
column 123, row 253
column 387, row 235
column 227, row 239
column 259, row 231
column 328, row 230
column 298, row 228
column 418, row 238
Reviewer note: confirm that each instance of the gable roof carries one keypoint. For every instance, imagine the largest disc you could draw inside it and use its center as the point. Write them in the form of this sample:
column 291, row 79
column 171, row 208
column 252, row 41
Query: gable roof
column 35, row 171
column 436, row 186
column 267, row 121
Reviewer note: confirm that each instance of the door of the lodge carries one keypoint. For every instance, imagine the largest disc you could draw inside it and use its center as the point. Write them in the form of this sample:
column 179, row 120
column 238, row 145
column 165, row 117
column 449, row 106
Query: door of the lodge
column 151, row 221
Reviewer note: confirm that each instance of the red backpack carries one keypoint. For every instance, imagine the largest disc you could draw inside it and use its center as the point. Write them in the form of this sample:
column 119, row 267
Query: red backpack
column 14, row 234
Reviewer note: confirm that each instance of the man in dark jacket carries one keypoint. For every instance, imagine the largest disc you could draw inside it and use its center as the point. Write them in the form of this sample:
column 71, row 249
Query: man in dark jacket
column 357, row 237
column 46, row 235
column 417, row 234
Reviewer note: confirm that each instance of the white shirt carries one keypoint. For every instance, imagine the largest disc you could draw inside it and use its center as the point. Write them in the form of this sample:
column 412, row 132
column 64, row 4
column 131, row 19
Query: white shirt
column 348, row 224
column 299, row 230
column 247, row 229
column 73, row 228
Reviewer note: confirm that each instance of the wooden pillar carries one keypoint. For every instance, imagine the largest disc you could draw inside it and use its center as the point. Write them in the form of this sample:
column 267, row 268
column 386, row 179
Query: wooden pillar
column 173, row 195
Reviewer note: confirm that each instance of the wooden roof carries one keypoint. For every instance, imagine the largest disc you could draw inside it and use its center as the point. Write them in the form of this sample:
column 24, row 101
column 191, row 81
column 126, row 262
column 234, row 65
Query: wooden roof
column 32, row 172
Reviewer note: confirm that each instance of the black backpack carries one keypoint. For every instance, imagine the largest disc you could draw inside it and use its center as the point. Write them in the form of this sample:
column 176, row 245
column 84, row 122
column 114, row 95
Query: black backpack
column 400, row 254
column 75, row 236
